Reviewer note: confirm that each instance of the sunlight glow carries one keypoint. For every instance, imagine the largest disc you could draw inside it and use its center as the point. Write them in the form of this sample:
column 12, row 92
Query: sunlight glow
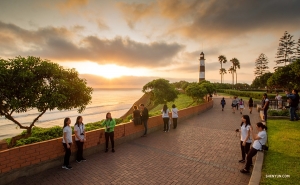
column 107, row 70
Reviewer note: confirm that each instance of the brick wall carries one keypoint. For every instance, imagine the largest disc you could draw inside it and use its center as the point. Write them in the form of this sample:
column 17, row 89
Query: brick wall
column 20, row 161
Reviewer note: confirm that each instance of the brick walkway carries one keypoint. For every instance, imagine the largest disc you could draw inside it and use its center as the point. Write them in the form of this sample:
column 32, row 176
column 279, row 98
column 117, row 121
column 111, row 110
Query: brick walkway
column 202, row 150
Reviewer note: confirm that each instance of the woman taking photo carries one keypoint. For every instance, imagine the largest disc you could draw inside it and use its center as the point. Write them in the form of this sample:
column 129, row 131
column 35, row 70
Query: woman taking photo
column 109, row 125
column 259, row 140
column 165, row 116
column 67, row 142
column 245, row 137
column 80, row 138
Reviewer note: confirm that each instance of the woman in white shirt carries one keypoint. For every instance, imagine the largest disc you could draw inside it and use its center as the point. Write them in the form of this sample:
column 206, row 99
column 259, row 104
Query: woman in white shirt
column 245, row 137
column 242, row 106
column 174, row 116
column 80, row 138
column 165, row 116
column 259, row 140
column 67, row 142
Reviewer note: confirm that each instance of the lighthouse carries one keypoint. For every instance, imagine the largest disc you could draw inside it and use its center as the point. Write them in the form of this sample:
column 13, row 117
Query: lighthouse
column 202, row 67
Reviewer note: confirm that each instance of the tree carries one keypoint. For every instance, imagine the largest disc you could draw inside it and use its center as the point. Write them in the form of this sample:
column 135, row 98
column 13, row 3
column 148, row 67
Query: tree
column 261, row 81
column 297, row 54
column 222, row 59
column 196, row 91
column 286, row 77
column 33, row 83
column 235, row 65
column 285, row 49
column 161, row 91
column 261, row 65
column 231, row 70
column 210, row 88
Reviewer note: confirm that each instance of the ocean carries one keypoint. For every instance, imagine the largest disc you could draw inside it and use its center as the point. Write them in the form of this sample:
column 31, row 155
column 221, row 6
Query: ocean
column 116, row 101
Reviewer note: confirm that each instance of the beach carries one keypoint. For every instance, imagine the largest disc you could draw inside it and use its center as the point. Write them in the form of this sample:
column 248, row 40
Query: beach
column 116, row 101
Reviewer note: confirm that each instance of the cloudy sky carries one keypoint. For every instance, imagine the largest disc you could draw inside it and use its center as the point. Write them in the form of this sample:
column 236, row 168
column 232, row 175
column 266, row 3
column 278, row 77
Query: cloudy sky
column 128, row 43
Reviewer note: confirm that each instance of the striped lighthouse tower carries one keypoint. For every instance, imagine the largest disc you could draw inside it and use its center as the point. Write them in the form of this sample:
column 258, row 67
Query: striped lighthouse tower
column 202, row 67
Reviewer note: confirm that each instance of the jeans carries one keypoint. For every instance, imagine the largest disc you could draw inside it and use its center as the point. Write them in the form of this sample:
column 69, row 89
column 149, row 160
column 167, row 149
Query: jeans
column 250, row 154
column 79, row 156
column 109, row 135
column 265, row 115
column 145, row 126
column 67, row 154
column 166, row 124
column 245, row 149
column 174, row 123
column 293, row 113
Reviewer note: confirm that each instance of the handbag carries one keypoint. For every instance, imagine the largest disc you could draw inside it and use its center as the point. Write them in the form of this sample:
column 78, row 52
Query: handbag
column 264, row 147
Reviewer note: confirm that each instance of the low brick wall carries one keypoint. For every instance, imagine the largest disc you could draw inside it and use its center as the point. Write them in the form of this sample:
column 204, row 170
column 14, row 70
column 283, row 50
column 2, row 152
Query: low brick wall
column 33, row 158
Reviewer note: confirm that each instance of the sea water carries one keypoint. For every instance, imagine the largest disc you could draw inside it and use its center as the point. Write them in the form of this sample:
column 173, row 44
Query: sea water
column 116, row 101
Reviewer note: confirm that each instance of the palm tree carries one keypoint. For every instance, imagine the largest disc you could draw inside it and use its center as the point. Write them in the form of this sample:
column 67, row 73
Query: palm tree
column 222, row 72
column 222, row 59
column 235, row 65
column 231, row 70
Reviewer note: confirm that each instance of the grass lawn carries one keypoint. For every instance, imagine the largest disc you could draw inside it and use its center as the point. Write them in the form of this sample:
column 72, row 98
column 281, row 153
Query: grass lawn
column 283, row 157
column 183, row 101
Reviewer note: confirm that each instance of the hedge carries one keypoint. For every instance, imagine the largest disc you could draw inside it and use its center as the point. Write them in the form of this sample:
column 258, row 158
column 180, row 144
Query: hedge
column 255, row 95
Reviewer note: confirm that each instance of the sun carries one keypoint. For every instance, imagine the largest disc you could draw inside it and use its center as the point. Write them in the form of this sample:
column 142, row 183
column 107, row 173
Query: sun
column 108, row 71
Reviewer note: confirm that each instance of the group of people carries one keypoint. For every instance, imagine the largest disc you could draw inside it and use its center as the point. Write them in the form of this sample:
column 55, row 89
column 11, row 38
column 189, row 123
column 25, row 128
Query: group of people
column 166, row 118
column 141, row 116
column 247, row 135
column 80, row 137
column 238, row 104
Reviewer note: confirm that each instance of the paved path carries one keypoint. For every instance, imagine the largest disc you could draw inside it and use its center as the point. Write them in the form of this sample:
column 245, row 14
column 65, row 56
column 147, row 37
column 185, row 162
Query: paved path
column 202, row 150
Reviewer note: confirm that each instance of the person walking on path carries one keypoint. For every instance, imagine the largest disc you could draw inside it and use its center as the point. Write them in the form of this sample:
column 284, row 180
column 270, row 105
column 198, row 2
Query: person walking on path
column 223, row 103
column 67, row 143
column 80, row 138
column 241, row 105
column 294, row 98
column 245, row 137
column 165, row 116
column 259, row 140
column 144, row 117
column 237, row 105
column 174, row 116
column 136, row 115
column 234, row 104
column 265, row 106
column 250, row 104
column 109, row 124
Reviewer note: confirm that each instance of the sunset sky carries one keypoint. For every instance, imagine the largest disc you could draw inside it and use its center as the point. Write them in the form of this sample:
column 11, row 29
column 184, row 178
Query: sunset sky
column 128, row 43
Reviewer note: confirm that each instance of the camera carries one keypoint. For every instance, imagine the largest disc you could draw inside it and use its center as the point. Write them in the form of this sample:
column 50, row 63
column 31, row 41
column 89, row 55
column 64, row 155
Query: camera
column 82, row 134
column 107, row 129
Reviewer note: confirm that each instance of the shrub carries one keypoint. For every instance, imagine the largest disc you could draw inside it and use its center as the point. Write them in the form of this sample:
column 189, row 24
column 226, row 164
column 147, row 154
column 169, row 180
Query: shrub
column 278, row 112
column 28, row 141
column 255, row 95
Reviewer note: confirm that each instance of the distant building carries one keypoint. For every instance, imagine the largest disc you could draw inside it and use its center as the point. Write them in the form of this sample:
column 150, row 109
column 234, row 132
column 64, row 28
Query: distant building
column 202, row 67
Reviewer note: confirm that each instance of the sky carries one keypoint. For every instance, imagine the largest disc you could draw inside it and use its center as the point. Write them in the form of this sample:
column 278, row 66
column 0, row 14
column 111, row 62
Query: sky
column 114, row 44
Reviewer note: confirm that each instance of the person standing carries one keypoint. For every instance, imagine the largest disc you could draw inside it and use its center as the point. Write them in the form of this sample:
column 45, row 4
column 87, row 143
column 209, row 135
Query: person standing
column 259, row 140
column 265, row 106
column 245, row 137
column 80, row 138
column 109, row 124
column 234, row 104
column 241, row 104
column 250, row 104
column 136, row 115
column 237, row 105
column 223, row 103
column 294, row 101
column 278, row 98
column 165, row 116
column 174, row 116
column 67, row 143
column 144, row 117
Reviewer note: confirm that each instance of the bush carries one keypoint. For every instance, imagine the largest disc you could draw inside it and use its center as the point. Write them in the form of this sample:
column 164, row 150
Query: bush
column 278, row 112
column 255, row 95
column 28, row 141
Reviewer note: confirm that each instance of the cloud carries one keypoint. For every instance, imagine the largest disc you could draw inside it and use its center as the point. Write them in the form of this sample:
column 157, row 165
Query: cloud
column 133, row 12
column 68, row 5
column 58, row 44
column 102, row 25
column 218, row 19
